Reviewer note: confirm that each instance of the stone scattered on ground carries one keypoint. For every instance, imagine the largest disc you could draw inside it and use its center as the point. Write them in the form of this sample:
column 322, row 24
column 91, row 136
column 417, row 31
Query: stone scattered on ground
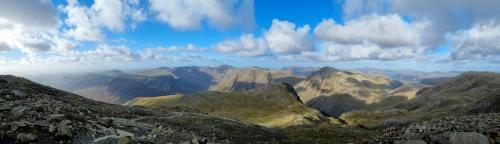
column 474, row 129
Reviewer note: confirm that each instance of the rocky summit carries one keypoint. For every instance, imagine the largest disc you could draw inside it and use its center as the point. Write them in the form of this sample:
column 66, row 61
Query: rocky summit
column 33, row 113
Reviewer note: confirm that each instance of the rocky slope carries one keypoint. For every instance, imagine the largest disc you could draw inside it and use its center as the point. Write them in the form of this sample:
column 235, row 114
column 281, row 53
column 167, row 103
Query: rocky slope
column 469, row 93
column 276, row 105
column 31, row 112
column 472, row 129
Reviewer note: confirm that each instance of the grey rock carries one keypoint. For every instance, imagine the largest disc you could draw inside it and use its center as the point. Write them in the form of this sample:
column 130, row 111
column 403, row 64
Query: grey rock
column 112, row 131
column 18, row 111
column 52, row 128
column 63, row 130
column 125, row 140
column 23, row 137
column 56, row 117
column 195, row 141
column 468, row 138
column 18, row 93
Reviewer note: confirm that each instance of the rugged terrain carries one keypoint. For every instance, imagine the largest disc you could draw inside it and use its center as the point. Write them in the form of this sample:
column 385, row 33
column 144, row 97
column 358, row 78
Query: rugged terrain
column 32, row 112
column 328, row 106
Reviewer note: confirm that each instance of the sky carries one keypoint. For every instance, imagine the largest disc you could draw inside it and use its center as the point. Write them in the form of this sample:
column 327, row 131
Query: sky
column 43, row 36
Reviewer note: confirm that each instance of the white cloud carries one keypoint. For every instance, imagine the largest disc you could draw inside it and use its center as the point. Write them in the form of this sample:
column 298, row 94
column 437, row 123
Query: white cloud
column 29, row 41
column 189, row 15
column 165, row 53
column 81, row 19
column 111, row 13
column 479, row 42
column 27, row 25
column 385, row 31
column 31, row 14
column 117, row 53
column 86, row 22
column 62, row 44
column 102, row 53
column 284, row 38
column 246, row 45
column 382, row 37
column 138, row 16
column 366, row 50
column 446, row 16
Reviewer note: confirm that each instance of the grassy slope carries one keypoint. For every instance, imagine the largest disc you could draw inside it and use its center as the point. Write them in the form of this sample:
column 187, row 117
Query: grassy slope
column 273, row 106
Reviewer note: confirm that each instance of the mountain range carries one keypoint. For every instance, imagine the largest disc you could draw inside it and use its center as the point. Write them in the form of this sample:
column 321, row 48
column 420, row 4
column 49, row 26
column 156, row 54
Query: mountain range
column 349, row 104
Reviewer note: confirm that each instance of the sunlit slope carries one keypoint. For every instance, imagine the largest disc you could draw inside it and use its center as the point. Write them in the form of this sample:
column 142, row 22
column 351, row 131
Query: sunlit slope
column 276, row 105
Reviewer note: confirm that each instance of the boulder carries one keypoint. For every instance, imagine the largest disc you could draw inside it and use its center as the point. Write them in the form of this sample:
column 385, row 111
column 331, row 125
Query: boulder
column 23, row 137
column 63, row 130
column 125, row 140
column 468, row 138
column 18, row 111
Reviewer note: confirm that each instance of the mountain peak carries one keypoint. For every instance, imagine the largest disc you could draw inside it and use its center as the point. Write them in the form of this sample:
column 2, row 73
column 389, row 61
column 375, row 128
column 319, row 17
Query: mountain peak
column 327, row 68
column 325, row 72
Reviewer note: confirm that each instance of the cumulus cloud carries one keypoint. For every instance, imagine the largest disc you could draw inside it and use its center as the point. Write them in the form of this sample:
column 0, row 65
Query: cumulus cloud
column 62, row 44
column 246, row 45
column 86, row 22
column 284, row 38
column 444, row 16
column 386, row 31
column 189, row 15
column 384, row 37
column 38, row 14
column 27, row 25
column 366, row 50
column 479, row 42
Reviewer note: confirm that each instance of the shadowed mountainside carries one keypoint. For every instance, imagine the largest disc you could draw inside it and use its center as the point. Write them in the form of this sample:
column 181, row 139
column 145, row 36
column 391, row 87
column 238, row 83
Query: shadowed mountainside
column 334, row 92
column 467, row 94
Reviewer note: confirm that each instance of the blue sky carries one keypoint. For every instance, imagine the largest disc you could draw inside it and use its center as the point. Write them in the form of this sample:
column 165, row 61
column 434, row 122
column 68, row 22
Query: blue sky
column 77, row 35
